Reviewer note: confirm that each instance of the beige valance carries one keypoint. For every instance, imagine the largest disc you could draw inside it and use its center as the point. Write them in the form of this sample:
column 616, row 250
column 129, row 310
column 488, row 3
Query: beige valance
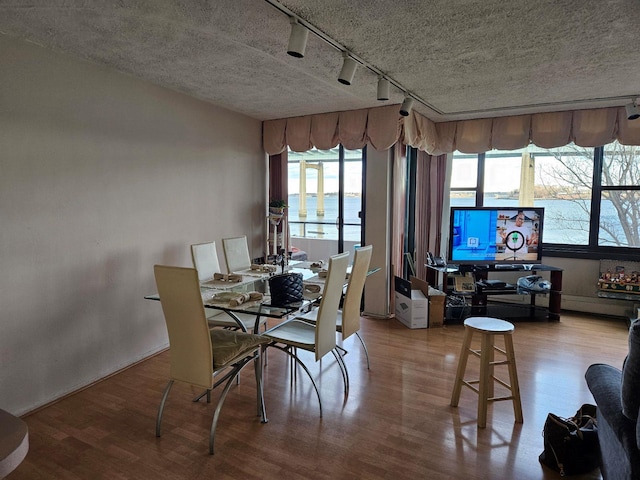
column 379, row 126
column 586, row 128
column 383, row 127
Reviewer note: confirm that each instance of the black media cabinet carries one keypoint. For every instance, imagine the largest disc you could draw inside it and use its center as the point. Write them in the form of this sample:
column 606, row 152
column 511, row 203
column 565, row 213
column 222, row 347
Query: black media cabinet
column 481, row 273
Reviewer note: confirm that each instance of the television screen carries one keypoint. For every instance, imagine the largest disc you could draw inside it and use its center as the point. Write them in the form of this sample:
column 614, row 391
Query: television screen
column 493, row 235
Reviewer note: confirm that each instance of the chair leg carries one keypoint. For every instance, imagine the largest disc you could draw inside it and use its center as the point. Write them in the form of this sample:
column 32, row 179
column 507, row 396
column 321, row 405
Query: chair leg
column 236, row 371
column 343, row 371
column 257, row 363
column 364, row 347
column 304, row 367
column 207, row 393
column 161, row 408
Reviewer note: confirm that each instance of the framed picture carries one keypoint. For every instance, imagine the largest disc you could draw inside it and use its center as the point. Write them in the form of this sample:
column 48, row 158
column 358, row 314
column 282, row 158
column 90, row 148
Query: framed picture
column 465, row 283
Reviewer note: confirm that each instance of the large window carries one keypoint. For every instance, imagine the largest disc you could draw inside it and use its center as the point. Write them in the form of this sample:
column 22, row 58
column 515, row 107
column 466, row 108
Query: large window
column 591, row 196
column 325, row 194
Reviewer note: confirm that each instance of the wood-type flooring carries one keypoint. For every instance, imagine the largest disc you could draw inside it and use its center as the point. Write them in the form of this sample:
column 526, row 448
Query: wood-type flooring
column 395, row 424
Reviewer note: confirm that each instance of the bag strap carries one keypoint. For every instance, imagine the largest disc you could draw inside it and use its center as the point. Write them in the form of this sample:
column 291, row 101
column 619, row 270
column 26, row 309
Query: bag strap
column 558, row 463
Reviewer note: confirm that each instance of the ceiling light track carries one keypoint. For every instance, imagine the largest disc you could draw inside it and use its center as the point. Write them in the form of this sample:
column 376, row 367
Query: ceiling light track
column 348, row 70
column 570, row 105
column 346, row 76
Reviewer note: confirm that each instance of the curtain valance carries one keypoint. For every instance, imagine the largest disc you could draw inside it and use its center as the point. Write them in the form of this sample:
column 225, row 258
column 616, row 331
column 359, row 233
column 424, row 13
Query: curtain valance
column 383, row 127
column 586, row 128
column 379, row 126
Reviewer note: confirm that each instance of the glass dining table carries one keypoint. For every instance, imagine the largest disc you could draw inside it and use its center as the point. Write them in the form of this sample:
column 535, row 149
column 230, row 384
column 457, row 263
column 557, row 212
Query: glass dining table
column 220, row 295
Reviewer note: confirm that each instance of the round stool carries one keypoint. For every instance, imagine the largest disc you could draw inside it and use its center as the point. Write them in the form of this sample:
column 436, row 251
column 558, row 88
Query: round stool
column 14, row 442
column 488, row 328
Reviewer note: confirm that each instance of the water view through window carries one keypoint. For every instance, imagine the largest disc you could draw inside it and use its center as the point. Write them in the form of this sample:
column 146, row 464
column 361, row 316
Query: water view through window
column 563, row 181
column 313, row 194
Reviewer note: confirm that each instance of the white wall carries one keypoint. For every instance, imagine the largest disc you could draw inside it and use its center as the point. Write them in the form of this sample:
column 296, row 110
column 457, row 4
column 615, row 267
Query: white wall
column 102, row 176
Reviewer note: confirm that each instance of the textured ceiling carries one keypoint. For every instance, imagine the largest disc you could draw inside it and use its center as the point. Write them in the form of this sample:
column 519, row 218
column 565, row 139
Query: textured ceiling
column 462, row 58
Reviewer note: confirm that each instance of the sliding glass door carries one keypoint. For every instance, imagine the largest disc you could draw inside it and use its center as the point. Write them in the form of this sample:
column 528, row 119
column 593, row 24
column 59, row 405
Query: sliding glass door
column 325, row 200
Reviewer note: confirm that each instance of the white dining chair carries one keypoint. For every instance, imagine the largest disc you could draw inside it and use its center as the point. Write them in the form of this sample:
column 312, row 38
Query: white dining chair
column 236, row 254
column 205, row 260
column 199, row 355
column 348, row 321
column 321, row 337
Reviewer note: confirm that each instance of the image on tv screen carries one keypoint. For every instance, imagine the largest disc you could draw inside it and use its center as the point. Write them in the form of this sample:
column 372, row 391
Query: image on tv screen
column 495, row 235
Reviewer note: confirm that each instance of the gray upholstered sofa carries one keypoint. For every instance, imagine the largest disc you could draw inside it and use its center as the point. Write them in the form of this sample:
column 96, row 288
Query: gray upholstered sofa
column 617, row 395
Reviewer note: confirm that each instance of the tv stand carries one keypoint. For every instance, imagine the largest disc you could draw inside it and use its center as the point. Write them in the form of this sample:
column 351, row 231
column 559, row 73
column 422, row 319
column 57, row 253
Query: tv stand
column 481, row 272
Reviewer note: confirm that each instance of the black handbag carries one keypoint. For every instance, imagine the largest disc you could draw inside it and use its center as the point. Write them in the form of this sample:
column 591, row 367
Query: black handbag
column 571, row 444
column 285, row 289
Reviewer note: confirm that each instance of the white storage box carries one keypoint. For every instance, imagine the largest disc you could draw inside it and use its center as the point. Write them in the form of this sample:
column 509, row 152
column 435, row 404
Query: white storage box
column 412, row 303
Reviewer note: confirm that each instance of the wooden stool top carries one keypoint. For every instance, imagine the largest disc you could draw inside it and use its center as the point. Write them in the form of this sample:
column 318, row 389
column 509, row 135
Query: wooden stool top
column 489, row 324
column 14, row 442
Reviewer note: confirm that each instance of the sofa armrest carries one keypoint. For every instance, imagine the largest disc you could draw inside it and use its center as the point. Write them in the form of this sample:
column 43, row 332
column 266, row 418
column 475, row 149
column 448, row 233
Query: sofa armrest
column 605, row 383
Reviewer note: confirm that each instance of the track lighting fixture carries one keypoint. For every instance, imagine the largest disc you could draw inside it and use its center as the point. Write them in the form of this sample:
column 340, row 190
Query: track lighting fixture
column 348, row 69
column 406, row 106
column 297, row 39
column 383, row 88
column 633, row 111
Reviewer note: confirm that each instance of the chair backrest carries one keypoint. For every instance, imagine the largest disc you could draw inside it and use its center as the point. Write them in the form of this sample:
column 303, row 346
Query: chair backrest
column 353, row 297
column 190, row 351
column 236, row 254
column 205, row 260
column 329, row 304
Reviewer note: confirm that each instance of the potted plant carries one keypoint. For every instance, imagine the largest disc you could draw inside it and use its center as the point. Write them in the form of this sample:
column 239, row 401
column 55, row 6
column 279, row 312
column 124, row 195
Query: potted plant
column 277, row 206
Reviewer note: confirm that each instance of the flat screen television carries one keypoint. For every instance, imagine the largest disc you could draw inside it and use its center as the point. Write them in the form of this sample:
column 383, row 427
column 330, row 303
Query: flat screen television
column 495, row 235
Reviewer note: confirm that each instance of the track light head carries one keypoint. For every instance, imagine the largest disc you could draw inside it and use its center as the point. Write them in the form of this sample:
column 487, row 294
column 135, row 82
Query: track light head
column 348, row 69
column 383, row 88
column 633, row 111
column 297, row 39
column 406, row 106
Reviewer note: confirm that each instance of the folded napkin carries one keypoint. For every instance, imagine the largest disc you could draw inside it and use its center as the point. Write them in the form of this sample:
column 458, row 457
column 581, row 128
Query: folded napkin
column 241, row 298
column 263, row 267
column 323, row 274
column 228, row 277
column 311, row 288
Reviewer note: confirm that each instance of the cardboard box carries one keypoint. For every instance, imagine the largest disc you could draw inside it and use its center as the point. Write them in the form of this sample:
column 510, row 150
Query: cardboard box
column 411, row 302
column 437, row 302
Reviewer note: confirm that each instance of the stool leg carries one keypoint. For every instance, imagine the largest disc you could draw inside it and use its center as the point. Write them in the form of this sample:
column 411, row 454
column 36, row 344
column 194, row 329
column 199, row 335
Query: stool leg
column 513, row 378
column 491, row 367
column 462, row 366
column 484, row 386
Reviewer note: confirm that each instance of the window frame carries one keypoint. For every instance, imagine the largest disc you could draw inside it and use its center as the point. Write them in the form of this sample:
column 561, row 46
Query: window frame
column 590, row 251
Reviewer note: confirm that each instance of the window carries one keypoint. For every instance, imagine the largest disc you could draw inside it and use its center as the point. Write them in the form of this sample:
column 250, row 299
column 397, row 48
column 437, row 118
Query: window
column 591, row 196
column 321, row 203
column 618, row 194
